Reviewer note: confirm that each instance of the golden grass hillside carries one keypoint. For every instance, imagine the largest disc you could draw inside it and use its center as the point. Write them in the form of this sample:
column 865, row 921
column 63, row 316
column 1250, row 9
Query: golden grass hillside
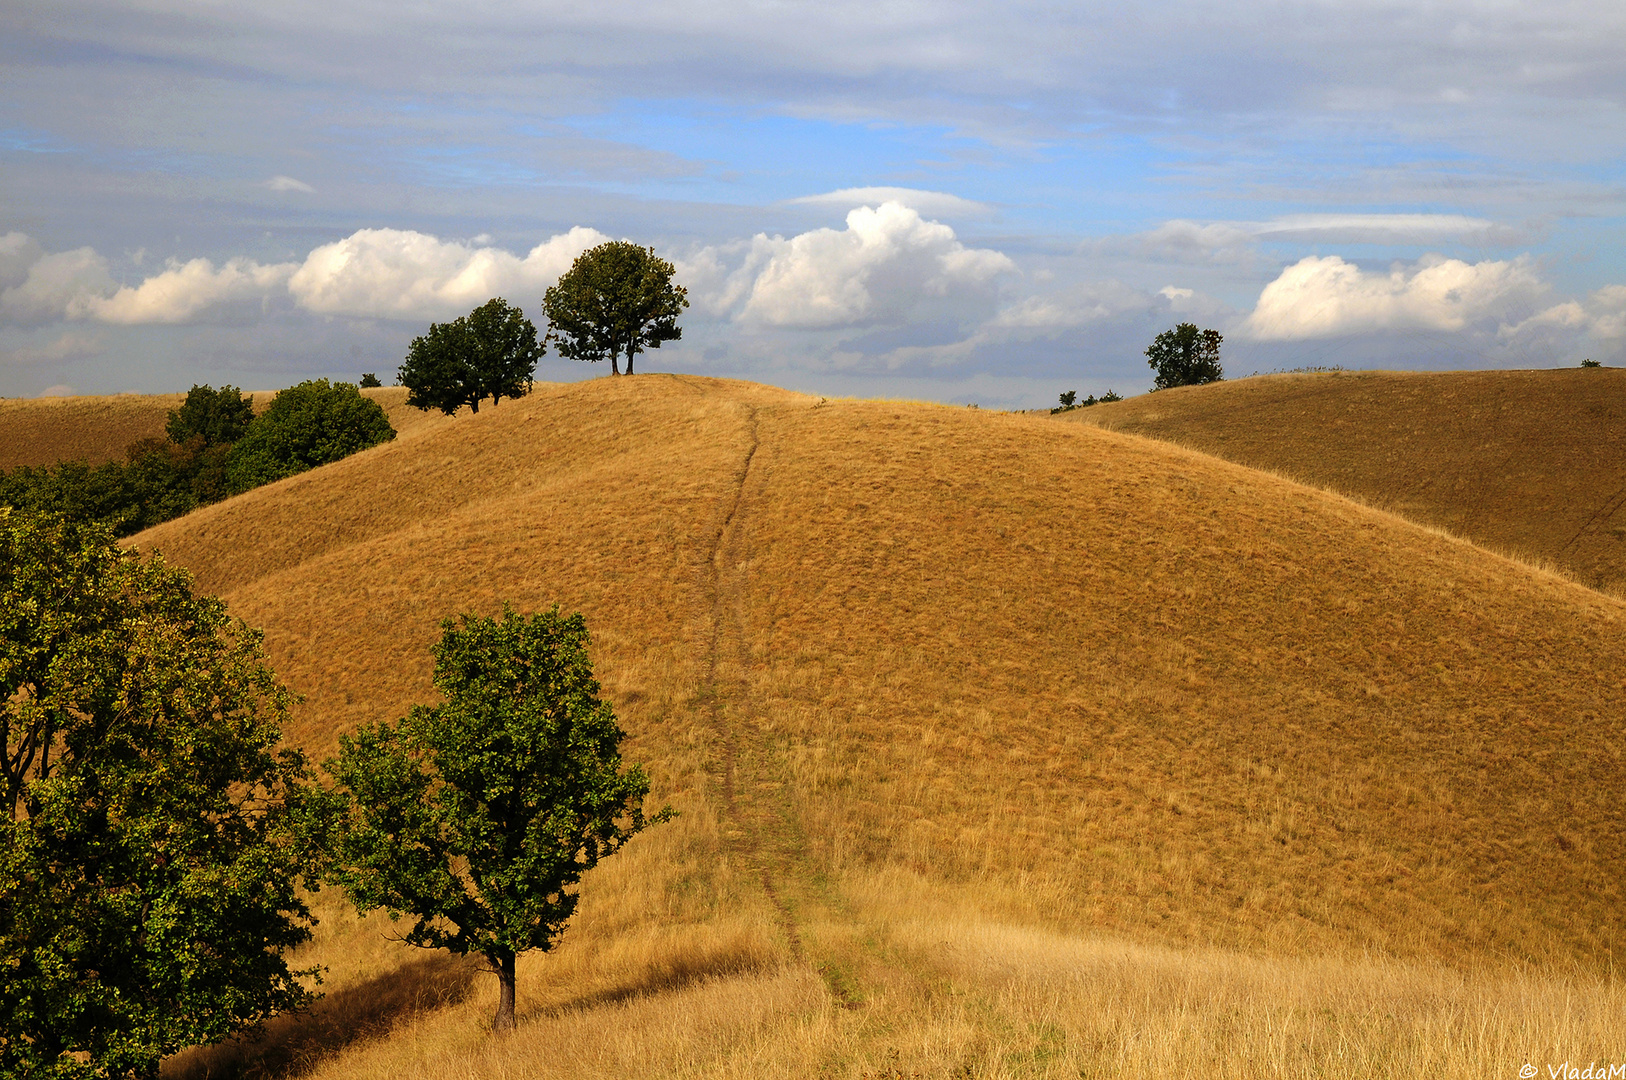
column 1532, row 462
column 44, row 431
column 1002, row 747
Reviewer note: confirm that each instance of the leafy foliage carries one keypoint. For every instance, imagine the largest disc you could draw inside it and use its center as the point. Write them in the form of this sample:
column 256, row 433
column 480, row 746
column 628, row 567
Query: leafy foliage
column 369, row 381
column 490, row 352
column 219, row 417
column 1069, row 401
column 616, row 299
column 1589, row 362
column 1185, row 356
column 148, row 859
column 307, row 425
column 479, row 815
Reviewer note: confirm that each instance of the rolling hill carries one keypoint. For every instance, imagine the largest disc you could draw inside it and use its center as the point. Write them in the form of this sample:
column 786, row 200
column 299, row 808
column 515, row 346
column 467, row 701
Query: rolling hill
column 1001, row 746
column 1528, row 462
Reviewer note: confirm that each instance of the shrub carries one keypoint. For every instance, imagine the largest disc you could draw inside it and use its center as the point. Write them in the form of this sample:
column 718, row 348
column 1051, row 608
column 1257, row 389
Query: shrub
column 307, row 425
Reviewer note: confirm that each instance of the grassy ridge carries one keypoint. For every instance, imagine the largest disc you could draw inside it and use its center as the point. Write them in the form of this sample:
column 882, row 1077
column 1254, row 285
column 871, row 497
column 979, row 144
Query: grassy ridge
column 943, row 696
column 1527, row 462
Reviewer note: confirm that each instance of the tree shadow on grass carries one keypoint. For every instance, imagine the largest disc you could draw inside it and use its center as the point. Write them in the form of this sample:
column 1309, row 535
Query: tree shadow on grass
column 290, row 1046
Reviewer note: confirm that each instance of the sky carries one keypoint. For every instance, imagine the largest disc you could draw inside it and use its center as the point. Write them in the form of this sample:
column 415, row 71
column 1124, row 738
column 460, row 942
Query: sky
column 960, row 202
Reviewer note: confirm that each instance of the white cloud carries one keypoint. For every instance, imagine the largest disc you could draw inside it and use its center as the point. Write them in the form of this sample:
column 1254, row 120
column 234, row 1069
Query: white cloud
column 55, row 286
column 399, row 274
column 1080, row 306
column 887, row 264
column 1320, row 297
column 18, row 252
column 930, row 203
column 1602, row 316
column 183, row 291
column 1378, row 228
column 288, row 183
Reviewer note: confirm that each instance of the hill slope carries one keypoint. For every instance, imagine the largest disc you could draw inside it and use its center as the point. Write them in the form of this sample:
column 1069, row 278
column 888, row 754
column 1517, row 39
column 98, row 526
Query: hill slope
column 1532, row 462
column 915, row 674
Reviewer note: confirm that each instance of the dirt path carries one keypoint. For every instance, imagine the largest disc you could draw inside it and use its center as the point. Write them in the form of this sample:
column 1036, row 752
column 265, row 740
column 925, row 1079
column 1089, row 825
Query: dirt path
column 761, row 829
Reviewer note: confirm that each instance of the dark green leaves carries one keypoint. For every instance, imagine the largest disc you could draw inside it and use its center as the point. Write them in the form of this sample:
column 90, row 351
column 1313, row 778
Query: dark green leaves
column 307, row 425
column 219, row 416
column 615, row 300
column 479, row 815
column 490, row 352
column 150, row 852
column 1185, row 356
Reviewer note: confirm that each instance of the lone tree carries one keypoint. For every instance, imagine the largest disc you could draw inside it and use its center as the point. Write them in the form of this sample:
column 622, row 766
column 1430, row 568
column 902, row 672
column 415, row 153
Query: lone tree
column 489, row 353
column 1185, row 356
column 149, row 858
column 615, row 300
column 307, row 425
column 479, row 815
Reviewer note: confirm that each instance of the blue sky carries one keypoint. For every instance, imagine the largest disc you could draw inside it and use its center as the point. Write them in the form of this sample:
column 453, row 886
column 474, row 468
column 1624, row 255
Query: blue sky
column 951, row 201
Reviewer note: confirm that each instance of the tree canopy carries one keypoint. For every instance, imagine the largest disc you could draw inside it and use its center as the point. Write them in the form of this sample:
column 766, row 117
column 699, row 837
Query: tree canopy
column 489, row 353
column 616, row 299
column 218, row 416
column 149, row 859
column 307, row 425
column 478, row 816
column 1185, row 356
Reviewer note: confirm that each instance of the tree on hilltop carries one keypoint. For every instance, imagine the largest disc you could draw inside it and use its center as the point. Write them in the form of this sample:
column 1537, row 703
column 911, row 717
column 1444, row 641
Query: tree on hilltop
column 617, row 299
column 479, row 815
column 1185, row 356
column 489, row 353
column 151, row 852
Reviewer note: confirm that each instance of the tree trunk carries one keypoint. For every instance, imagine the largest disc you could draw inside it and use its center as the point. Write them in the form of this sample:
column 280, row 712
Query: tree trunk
column 615, row 366
column 503, row 964
column 629, row 361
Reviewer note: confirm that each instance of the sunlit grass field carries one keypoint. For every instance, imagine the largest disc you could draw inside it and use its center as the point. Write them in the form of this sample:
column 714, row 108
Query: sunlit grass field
column 1531, row 463
column 1001, row 746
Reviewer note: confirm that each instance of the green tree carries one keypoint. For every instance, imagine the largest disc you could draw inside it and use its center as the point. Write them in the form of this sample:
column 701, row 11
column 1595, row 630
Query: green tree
column 369, row 381
column 478, row 816
column 220, row 416
column 615, row 300
column 149, row 859
column 307, row 425
column 489, row 353
column 1185, row 356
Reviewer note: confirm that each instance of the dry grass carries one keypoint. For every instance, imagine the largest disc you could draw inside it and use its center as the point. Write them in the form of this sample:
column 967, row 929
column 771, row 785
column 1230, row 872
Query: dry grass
column 1192, row 767
column 1528, row 462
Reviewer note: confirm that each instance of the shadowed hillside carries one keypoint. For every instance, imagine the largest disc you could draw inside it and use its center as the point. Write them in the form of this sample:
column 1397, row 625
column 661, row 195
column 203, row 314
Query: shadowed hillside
column 1532, row 462
column 44, row 431
column 943, row 695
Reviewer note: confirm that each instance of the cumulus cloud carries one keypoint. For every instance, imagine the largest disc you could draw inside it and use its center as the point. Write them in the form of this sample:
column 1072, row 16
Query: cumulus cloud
column 184, row 291
column 52, row 287
column 400, row 274
column 1602, row 316
column 929, row 203
column 889, row 264
column 1319, row 297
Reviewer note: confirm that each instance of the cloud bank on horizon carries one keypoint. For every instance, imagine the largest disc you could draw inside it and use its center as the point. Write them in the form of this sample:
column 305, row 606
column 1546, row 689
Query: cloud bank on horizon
column 954, row 201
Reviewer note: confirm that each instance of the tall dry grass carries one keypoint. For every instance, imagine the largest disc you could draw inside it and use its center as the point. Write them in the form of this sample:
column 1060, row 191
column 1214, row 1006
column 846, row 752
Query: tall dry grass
column 1526, row 462
column 1051, row 689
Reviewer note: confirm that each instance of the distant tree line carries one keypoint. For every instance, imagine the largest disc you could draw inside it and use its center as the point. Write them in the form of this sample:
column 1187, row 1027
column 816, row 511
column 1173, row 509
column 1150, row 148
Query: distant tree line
column 214, row 446
column 160, row 839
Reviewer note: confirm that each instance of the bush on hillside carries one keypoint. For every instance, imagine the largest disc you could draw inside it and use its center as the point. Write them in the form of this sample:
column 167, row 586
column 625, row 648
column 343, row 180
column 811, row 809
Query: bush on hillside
column 217, row 416
column 1589, row 362
column 307, row 425
column 369, row 381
